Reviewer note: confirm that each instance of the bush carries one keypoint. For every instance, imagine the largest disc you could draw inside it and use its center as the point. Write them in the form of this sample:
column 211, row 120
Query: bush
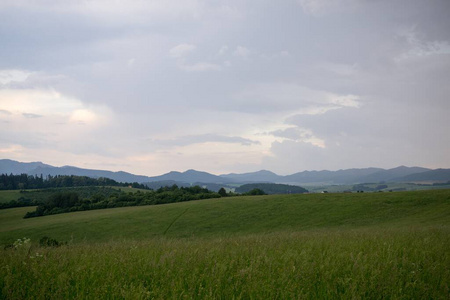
column 49, row 242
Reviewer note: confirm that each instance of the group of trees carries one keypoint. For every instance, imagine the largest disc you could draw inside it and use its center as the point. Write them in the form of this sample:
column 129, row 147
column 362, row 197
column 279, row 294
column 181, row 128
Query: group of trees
column 61, row 193
column 25, row 181
column 70, row 201
column 270, row 188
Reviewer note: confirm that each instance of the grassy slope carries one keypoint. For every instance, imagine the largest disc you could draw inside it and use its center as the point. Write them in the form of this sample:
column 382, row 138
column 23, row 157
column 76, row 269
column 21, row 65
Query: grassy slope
column 240, row 215
column 330, row 246
column 9, row 195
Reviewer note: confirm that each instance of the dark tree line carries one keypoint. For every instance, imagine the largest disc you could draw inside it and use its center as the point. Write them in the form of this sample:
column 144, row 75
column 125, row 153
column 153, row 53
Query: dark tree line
column 25, row 181
column 70, row 201
column 270, row 188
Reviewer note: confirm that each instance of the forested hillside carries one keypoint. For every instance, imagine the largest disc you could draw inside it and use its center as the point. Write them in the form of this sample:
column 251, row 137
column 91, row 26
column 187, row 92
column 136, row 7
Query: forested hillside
column 272, row 188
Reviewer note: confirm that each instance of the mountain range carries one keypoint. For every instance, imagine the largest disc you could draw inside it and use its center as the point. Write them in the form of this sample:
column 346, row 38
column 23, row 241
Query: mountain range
column 347, row 176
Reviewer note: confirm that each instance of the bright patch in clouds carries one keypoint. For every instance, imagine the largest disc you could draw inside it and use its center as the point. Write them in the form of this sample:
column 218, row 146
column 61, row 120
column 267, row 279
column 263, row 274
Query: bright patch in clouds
column 49, row 103
column 42, row 102
column 83, row 116
column 10, row 76
column 181, row 50
column 242, row 51
column 293, row 98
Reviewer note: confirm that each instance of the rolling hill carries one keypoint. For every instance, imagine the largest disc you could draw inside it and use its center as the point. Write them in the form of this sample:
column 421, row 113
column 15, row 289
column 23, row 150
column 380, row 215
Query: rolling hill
column 442, row 175
column 316, row 246
column 260, row 176
column 234, row 215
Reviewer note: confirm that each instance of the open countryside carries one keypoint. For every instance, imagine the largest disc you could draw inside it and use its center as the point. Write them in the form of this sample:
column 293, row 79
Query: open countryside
column 277, row 246
column 225, row 150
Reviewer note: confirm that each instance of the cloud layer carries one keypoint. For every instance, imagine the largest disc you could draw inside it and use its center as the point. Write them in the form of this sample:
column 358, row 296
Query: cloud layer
column 236, row 86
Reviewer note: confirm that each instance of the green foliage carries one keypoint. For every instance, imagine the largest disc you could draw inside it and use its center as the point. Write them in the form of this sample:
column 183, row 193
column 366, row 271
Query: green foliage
column 100, row 198
column 49, row 242
column 24, row 181
column 271, row 188
column 255, row 192
column 222, row 192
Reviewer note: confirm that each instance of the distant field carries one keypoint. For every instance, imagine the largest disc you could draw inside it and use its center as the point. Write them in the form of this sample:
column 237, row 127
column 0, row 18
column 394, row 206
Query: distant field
column 128, row 189
column 391, row 186
column 315, row 246
column 9, row 195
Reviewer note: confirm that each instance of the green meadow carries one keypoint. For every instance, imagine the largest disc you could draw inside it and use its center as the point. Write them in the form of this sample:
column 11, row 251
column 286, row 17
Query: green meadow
column 9, row 195
column 311, row 246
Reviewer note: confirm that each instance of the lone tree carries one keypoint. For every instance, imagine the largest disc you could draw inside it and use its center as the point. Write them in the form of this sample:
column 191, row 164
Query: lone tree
column 223, row 192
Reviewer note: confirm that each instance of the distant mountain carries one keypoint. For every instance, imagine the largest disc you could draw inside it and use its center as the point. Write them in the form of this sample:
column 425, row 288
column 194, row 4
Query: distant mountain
column 37, row 168
column 260, row 176
column 190, row 176
column 348, row 176
column 431, row 175
column 388, row 175
column 9, row 166
column 68, row 170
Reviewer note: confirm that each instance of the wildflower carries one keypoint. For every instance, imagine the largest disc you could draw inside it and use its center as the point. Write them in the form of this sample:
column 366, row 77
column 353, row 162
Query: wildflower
column 21, row 242
column 37, row 255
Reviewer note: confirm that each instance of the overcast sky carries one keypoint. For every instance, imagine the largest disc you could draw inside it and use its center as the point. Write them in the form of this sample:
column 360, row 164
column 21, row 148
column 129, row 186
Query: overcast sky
column 150, row 87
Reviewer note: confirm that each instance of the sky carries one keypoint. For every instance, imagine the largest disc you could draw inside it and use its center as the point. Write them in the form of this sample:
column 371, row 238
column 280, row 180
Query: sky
column 236, row 86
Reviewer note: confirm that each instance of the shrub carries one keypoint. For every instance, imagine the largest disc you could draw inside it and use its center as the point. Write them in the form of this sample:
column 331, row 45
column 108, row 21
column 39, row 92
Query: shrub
column 49, row 242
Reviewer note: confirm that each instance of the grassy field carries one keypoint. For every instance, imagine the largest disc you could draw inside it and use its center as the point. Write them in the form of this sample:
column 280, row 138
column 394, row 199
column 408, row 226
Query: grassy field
column 390, row 186
column 371, row 245
column 9, row 195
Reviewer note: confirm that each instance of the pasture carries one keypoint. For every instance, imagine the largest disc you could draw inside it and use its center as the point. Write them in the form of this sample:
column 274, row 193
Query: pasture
column 316, row 246
column 9, row 195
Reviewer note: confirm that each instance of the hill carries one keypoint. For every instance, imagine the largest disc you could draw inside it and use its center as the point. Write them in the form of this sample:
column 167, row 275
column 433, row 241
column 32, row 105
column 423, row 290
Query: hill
column 331, row 177
column 315, row 246
column 439, row 175
column 390, row 174
column 69, row 170
column 272, row 188
column 255, row 214
column 8, row 166
column 190, row 176
column 348, row 176
column 260, row 176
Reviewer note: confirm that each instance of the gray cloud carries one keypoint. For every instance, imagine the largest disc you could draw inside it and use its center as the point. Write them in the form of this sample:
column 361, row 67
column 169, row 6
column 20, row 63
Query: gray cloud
column 5, row 112
column 31, row 116
column 293, row 133
column 204, row 138
column 368, row 78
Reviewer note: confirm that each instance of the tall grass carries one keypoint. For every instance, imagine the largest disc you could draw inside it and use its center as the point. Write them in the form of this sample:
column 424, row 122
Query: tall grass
column 329, row 246
column 348, row 264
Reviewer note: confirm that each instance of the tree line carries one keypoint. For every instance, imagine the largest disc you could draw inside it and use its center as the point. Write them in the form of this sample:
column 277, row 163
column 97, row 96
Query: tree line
column 104, row 197
column 25, row 181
